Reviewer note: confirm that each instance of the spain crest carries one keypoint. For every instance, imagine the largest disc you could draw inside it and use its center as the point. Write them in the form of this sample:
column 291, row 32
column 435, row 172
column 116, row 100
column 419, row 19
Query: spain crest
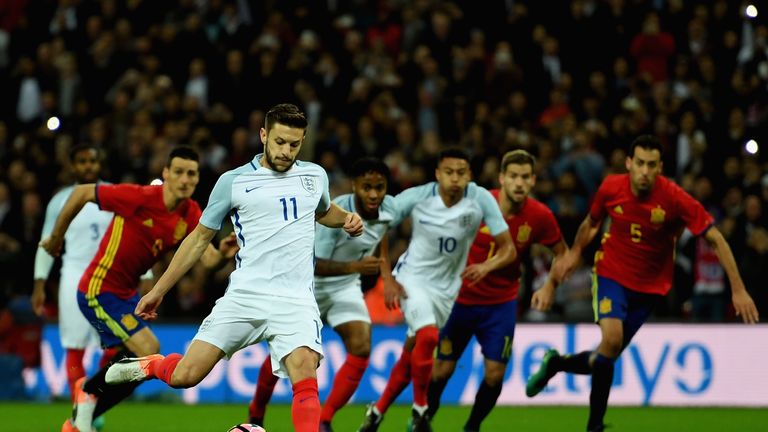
column 446, row 347
column 523, row 233
column 309, row 184
column 657, row 215
column 605, row 305
column 180, row 231
column 129, row 322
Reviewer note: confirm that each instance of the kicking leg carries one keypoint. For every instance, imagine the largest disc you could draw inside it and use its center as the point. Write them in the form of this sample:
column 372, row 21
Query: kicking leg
column 301, row 365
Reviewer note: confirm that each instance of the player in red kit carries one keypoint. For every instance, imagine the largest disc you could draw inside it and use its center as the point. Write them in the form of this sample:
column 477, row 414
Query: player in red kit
column 633, row 268
column 488, row 308
column 147, row 222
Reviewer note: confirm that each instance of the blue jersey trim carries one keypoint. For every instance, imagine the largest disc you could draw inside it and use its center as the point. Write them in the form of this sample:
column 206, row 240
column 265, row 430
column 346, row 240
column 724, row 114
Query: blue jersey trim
column 240, row 228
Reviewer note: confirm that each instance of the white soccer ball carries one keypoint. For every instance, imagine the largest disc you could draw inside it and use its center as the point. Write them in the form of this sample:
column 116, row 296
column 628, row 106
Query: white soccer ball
column 246, row 427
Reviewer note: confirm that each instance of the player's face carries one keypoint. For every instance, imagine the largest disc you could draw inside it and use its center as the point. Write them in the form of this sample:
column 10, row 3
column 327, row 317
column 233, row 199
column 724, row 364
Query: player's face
column 281, row 146
column 517, row 181
column 181, row 178
column 453, row 175
column 643, row 166
column 86, row 166
column 369, row 190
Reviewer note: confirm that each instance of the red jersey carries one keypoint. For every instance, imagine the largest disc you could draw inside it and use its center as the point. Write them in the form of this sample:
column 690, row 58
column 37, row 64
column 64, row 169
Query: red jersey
column 638, row 249
column 535, row 223
column 141, row 230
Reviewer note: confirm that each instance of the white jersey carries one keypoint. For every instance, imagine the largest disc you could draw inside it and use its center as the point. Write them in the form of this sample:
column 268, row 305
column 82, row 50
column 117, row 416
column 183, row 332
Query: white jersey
column 81, row 240
column 437, row 252
column 336, row 245
column 273, row 214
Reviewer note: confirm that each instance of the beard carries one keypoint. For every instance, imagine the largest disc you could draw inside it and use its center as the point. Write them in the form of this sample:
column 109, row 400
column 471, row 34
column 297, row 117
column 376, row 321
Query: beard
column 271, row 163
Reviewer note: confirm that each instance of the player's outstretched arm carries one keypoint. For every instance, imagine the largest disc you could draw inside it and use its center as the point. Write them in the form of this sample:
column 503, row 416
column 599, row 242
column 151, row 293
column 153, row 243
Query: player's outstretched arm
column 742, row 301
column 337, row 217
column 563, row 267
column 544, row 297
column 190, row 250
column 213, row 258
column 81, row 195
column 505, row 256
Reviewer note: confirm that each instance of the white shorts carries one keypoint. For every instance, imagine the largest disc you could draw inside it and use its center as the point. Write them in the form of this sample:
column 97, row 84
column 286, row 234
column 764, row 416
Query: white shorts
column 75, row 331
column 238, row 322
column 340, row 304
column 425, row 305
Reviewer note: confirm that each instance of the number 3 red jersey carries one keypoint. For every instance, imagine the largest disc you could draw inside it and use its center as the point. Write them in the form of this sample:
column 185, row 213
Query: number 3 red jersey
column 535, row 223
column 141, row 230
column 638, row 248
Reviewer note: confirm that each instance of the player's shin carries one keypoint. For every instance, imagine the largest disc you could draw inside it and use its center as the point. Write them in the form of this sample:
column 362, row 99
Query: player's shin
column 421, row 364
column 75, row 370
column 485, row 400
column 305, row 409
column 399, row 379
column 574, row 363
column 265, row 386
column 602, row 378
column 344, row 385
column 434, row 394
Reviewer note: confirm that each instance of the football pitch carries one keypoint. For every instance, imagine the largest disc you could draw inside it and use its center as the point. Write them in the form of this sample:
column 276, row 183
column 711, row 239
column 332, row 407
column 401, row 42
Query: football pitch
column 161, row 417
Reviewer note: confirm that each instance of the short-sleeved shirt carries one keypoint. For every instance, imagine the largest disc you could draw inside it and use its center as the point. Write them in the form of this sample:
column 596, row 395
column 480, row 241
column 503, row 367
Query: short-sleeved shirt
column 81, row 240
column 534, row 223
column 142, row 229
column 437, row 252
column 273, row 214
column 638, row 249
column 336, row 245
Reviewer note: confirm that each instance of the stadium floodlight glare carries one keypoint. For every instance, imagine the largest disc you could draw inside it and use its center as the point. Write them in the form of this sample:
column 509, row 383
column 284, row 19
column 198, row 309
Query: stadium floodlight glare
column 751, row 11
column 53, row 123
column 751, row 146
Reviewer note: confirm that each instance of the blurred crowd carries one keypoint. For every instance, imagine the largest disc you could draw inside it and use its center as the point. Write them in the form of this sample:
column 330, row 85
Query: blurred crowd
column 571, row 81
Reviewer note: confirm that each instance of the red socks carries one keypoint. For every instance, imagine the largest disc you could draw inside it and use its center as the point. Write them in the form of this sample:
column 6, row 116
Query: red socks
column 107, row 355
column 344, row 385
column 75, row 370
column 423, row 352
column 398, row 381
column 163, row 369
column 305, row 409
column 264, row 388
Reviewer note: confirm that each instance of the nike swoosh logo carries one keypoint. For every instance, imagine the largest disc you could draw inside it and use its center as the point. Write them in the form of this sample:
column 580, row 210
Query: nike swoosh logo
column 305, row 399
column 251, row 189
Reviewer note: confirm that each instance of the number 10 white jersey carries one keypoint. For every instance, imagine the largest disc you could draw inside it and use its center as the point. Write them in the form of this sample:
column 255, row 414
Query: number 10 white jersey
column 437, row 252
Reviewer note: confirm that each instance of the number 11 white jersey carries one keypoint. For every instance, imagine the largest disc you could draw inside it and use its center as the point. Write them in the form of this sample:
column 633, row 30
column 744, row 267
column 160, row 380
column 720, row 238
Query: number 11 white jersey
column 273, row 214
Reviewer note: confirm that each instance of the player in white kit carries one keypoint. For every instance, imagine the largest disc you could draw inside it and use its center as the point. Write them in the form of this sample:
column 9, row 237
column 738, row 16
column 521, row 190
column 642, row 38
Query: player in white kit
column 445, row 215
column 340, row 260
column 273, row 202
column 82, row 241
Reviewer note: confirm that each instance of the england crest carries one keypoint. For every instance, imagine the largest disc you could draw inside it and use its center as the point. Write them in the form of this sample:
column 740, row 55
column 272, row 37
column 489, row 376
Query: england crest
column 309, row 184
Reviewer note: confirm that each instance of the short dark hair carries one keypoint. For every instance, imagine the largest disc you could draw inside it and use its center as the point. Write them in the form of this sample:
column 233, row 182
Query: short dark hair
column 452, row 152
column 366, row 165
column 183, row 152
column 285, row 114
column 82, row 147
column 648, row 142
column 517, row 157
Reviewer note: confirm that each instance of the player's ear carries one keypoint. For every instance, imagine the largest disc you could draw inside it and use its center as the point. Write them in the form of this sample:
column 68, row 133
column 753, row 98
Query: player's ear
column 166, row 173
column 263, row 136
column 628, row 162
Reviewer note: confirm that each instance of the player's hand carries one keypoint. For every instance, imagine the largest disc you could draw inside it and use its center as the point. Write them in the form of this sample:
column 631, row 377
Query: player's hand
column 564, row 266
column 228, row 246
column 353, row 224
column 474, row 273
column 745, row 307
column 544, row 297
column 147, row 307
column 52, row 244
column 38, row 300
column 369, row 265
column 393, row 292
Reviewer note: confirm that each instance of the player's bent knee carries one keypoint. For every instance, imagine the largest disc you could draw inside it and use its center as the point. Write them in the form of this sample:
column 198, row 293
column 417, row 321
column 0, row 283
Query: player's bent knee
column 442, row 369
column 494, row 378
column 360, row 347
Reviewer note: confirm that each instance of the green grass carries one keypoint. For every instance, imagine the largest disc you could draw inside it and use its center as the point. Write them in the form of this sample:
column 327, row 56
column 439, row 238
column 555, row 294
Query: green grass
column 159, row 417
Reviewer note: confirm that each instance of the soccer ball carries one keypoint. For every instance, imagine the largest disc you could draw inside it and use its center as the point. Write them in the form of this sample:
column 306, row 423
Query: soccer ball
column 246, row 427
